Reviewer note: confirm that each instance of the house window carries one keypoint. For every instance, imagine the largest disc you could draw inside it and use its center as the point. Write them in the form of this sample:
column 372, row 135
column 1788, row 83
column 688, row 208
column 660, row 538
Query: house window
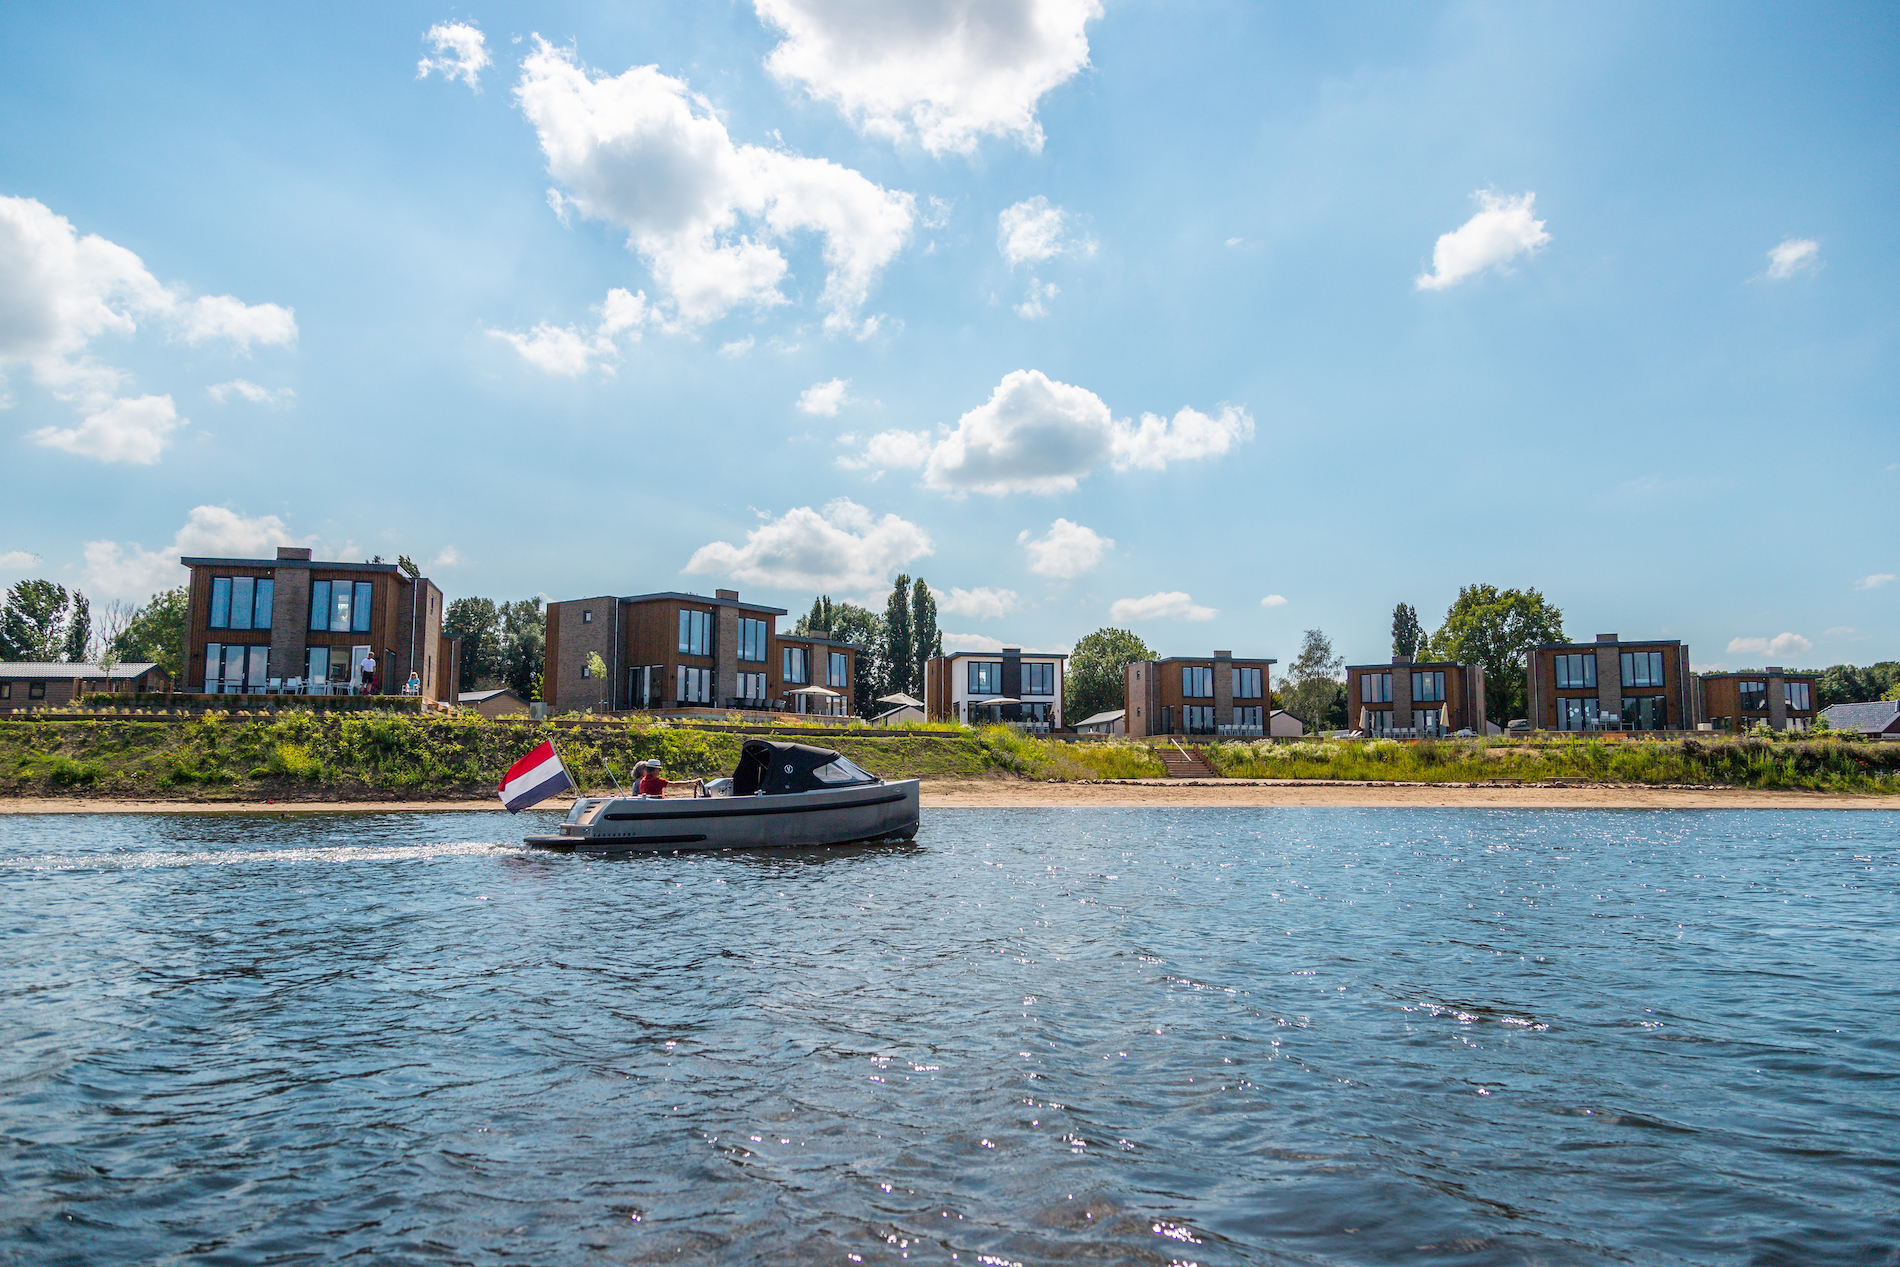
column 1247, row 685
column 797, row 666
column 240, row 602
column 1375, row 688
column 1754, row 696
column 584, row 670
column 985, row 677
column 1038, row 713
column 1197, row 682
column 587, row 618
column 6, row 690
column 1577, row 714
column 838, row 672
column 1198, row 719
column 1645, row 712
column 233, row 669
column 1577, row 670
column 317, row 664
column 752, row 640
column 1642, row 668
column 1428, row 686
column 752, row 687
column 1798, row 695
column 340, row 606
column 695, row 632
column 695, row 685
column 1039, row 679
column 1249, row 714
column 1376, row 721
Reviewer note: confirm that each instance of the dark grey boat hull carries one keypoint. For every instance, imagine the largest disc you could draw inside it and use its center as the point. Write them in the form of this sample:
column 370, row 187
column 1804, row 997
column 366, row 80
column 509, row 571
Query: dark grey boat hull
column 841, row 816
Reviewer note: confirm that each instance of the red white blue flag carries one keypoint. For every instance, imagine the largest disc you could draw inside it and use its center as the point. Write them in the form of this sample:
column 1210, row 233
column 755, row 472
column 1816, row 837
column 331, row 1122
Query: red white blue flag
column 534, row 779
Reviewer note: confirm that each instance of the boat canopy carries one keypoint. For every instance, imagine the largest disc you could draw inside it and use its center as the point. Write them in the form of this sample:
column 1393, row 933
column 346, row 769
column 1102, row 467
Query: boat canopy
column 775, row 768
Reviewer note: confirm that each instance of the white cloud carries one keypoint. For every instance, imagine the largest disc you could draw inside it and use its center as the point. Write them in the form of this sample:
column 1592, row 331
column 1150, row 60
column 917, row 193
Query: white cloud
column 17, row 561
column 461, row 52
column 937, row 212
column 1791, row 257
column 1033, row 231
column 823, row 399
column 1781, row 644
column 132, row 430
column 130, row 572
column 843, row 547
column 1503, row 229
column 983, row 603
column 1036, row 435
column 955, row 642
column 1032, row 305
column 221, row 392
column 945, row 72
column 222, row 317
column 448, row 558
column 889, row 450
column 642, row 152
column 1067, row 550
column 738, row 347
column 1173, row 605
column 1873, row 581
column 1839, row 631
column 1274, row 600
column 571, row 351
column 1235, row 241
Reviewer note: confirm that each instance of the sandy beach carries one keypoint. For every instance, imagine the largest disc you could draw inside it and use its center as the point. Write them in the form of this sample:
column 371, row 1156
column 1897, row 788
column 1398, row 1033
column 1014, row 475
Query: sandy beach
column 1119, row 794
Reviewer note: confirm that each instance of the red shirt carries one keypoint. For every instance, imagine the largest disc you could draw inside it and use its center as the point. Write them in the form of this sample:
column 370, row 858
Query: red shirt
column 651, row 784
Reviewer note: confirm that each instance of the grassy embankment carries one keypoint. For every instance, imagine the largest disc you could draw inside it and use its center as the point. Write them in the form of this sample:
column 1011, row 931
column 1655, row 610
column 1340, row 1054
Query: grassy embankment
column 1818, row 764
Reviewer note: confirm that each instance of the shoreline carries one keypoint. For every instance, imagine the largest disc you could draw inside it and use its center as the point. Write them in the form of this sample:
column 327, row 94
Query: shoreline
column 1113, row 794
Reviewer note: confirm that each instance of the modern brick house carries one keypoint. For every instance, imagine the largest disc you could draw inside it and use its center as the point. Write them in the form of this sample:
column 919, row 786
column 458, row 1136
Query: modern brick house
column 669, row 650
column 1740, row 701
column 1182, row 695
column 1434, row 698
column 256, row 625
column 39, row 684
column 957, row 686
column 1610, row 684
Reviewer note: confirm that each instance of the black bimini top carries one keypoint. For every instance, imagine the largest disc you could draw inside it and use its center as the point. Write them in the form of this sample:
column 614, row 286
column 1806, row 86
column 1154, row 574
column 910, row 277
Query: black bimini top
column 776, row 768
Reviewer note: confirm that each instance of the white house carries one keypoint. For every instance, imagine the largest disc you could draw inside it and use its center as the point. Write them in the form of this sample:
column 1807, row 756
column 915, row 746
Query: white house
column 988, row 686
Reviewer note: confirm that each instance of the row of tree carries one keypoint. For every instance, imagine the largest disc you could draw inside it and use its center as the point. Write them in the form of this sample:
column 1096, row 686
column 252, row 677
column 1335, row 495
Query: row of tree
column 893, row 648
column 503, row 644
column 41, row 621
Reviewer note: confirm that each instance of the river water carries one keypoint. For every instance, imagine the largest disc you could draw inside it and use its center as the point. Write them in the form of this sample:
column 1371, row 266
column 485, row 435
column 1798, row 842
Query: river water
column 1032, row 1036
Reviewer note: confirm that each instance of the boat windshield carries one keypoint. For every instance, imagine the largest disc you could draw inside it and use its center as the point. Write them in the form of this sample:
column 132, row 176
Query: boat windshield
column 842, row 771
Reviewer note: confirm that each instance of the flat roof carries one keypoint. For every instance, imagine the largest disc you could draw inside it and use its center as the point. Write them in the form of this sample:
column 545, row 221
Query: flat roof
column 58, row 671
column 698, row 598
column 1620, row 642
column 1208, row 659
column 1761, row 673
column 1027, row 655
column 295, row 563
column 1417, row 664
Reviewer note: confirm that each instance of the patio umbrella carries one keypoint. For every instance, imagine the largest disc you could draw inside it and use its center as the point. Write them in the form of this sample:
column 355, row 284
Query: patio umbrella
column 1000, row 699
column 901, row 699
column 815, row 690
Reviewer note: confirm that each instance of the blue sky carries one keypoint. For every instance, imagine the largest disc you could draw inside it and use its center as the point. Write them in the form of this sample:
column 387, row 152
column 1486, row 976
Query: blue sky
column 1217, row 321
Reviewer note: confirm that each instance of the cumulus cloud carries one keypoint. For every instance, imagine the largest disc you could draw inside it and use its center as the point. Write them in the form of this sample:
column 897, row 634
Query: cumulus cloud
column 1503, row 229
column 461, row 52
column 60, row 291
column 1173, row 605
column 17, row 561
column 1033, row 231
column 1781, row 644
column 1873, row 581
column 891, row 450
column 1191, row 434
column 823, row 399
column 1067, row 550
column 955, row 642
column 244, row 389
column 1032, row 305
column 131, row 430
column 448, row 558
column 1791, row 257
column 842, row 547
column 643, row 152
column 1274, row 600
column 945, row 73
column 983, row 603
column 115, row 570
column 570, row 350
column 738, row 347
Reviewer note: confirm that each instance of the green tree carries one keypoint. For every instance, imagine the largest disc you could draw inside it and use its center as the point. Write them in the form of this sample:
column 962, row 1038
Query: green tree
column 1407, row 636
column 863, row 629
column 33, row 624
column 819, row 619
column 1093, row 681
column 1493, row 628
column 477, row 622
column 900, row 650
column 155, row 633
column 926, row 640
column 1845, row 684
column 524, row 640
column 78, row 639
column 1311, row 689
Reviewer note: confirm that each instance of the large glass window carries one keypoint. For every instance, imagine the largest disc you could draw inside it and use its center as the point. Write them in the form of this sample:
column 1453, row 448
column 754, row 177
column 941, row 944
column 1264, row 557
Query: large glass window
column 695, row 685
column 1247, row 685
column 1198, row 719
column 1428, row 687
column 1642, row 668
column 1577, row 714
column 797, row 666
column 837, row 669
column 1249, row 714
column 232, row 669
column 1039, row 679
column 1798, row 695
column 220, row 602
column 319, row 604
column 1197, row 682
column 316, row 667
column 1376, row 721
column 339, row 606
column 1645, row 712
column 1375, row 688
column 240, row 602
column 985, row 677
column 695, row 632
column 1577, row 670
column 1754, row 696
column 751, row 640
column 752, row 687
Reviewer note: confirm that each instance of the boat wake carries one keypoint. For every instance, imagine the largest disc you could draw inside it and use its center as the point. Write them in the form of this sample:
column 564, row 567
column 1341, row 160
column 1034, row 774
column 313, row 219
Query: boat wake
column 136, row 860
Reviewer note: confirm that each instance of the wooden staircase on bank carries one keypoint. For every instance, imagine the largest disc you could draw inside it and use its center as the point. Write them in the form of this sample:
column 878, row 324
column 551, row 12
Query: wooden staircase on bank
column 1184, row 763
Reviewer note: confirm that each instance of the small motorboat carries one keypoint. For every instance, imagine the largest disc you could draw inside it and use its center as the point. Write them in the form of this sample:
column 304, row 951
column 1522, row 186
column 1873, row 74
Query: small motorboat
column 783, row 795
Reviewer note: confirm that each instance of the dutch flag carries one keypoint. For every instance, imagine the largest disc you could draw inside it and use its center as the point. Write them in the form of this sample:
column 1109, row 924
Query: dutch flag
column 534, row 778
